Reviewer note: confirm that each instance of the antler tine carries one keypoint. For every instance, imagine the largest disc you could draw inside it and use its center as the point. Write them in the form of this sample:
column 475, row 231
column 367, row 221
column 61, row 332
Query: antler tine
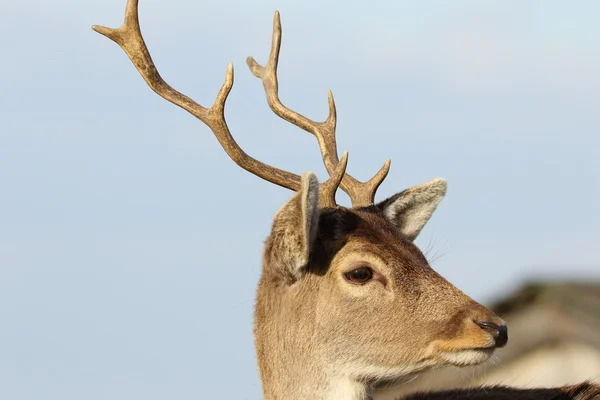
column 329, row 187
column 129, row 38
column 361, row 193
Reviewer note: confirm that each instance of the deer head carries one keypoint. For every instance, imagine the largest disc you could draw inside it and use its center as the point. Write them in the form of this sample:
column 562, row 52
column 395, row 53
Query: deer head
column 346, row 299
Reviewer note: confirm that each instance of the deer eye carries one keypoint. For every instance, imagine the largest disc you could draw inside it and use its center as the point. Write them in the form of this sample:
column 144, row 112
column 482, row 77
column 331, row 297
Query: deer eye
column 359, row 276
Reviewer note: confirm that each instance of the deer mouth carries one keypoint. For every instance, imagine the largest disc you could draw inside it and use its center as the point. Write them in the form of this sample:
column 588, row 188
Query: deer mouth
column 467, row 357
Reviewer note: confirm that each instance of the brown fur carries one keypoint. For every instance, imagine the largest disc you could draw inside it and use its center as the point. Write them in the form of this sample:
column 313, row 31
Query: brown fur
column 583, row 391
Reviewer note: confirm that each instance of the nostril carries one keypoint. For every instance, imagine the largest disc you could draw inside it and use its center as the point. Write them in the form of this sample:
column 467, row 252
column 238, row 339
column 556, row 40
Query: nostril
column 502, row 338
column 499, row 332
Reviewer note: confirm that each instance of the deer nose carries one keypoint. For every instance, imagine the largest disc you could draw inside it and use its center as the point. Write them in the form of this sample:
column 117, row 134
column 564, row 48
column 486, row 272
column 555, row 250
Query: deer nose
column 498, row 332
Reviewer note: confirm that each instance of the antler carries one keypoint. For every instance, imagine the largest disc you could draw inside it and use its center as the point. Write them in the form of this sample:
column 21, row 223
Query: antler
column 328, row 188
column 129, row 38
column 361, row 193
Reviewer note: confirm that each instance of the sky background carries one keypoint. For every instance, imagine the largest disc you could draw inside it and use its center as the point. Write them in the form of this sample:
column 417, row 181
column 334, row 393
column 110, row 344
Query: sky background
column 130, row 244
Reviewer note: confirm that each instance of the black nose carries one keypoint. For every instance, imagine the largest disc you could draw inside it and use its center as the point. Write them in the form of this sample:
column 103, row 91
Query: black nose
column 499, row 332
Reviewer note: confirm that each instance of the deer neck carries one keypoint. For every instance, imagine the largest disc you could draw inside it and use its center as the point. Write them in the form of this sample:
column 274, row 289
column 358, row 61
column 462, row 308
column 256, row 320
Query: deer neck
column 303, row 388
column 291, row 363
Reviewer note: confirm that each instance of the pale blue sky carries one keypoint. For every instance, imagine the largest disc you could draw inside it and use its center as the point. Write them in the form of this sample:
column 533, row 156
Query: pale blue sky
column 130, row 244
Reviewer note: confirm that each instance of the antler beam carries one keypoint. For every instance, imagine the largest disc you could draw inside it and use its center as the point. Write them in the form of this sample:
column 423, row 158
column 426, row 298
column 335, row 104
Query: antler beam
column 361, row 193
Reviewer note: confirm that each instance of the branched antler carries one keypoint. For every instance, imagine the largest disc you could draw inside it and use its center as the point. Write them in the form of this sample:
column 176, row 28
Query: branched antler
column 361, row 193
column 129, row 38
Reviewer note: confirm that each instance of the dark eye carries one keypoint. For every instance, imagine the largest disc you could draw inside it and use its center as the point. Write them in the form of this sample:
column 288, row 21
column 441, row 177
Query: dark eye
column 359, row 276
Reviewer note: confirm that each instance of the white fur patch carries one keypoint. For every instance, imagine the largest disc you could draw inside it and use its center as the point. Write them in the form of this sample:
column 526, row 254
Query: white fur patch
column 345, row 389
column 465, row 358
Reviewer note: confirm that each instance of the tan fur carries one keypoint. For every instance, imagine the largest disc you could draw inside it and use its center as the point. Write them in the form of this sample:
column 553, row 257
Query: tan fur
column 320, row 329
column 319, row 337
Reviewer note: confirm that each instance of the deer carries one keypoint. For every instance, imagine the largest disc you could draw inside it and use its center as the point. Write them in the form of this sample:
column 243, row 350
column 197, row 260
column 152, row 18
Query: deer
column 345, row 299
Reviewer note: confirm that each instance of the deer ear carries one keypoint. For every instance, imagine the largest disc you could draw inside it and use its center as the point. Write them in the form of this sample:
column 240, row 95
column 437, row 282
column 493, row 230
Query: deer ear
column 294, row 230
column 410, row 209
column 309, row 199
